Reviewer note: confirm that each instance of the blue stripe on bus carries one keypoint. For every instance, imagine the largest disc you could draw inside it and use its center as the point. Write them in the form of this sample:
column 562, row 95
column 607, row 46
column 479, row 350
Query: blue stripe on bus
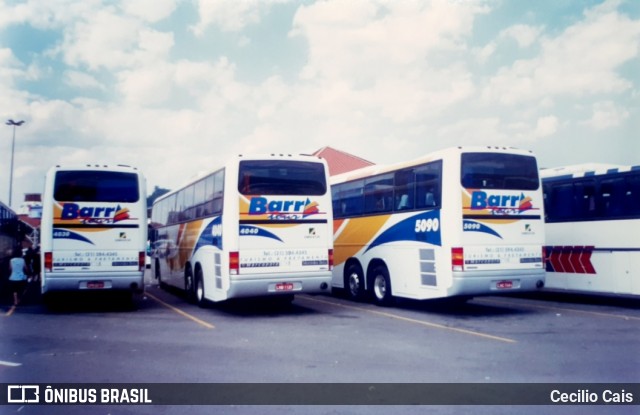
column 410, row 230
column 62, row 233
column 211, row 235
column 473, row 226
column 246, row 230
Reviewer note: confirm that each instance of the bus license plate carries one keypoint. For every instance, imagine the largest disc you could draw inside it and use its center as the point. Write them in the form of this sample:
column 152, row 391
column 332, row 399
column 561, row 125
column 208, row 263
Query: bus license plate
column 94, row 285
column 504, row 285
column 284, row 286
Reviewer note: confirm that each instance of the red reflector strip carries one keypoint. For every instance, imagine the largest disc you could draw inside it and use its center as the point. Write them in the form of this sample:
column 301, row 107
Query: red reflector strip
column 330, row 259
column 457, row 259
column 141, row 261
column 48, row 261
column 234, row 263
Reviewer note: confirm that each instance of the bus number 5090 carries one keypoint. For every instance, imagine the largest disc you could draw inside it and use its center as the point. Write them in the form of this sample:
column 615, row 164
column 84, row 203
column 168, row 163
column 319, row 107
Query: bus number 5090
column 427, row 225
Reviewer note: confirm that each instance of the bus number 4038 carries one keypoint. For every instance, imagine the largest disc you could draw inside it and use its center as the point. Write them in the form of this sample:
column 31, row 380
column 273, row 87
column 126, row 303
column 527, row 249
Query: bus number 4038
column 427, row 225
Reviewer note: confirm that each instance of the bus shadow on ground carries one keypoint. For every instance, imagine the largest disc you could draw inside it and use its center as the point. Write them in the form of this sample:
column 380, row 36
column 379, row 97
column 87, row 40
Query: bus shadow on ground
column 274, row 306
column 453, row 306
column 91, row 302
column 461, row 308
column 607, row 300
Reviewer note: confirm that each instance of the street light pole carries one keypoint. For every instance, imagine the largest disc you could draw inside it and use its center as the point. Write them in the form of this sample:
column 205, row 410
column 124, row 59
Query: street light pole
column 13, row 146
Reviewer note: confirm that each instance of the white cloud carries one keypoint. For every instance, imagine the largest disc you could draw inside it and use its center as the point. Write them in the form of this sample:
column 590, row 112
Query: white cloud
column 364, row 40
column 150, row 10
column 107, row 40
column 229, row 16
column 483, row 54
column 10, row 67
column 43, row 15
column 384, row 57
column 103, row 40
column 472, row 130
column 524, row 35
column 582, row 60
column 545, row 126
column 145, row 86
column 606, row 115
column 82, row 80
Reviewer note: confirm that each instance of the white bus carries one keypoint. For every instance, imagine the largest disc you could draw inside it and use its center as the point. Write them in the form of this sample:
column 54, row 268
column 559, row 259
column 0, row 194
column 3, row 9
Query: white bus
column 458, row 222
column 259, row 226
column 593, row 228
column 94, row 229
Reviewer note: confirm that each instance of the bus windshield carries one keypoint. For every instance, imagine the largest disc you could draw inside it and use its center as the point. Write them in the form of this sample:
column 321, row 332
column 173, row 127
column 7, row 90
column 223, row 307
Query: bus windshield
column 281, row 177
column 499, row 171
column 96, row 186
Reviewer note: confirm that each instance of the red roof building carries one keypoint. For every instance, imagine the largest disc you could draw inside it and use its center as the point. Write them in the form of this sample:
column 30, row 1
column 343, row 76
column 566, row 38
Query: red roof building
column 341, row 162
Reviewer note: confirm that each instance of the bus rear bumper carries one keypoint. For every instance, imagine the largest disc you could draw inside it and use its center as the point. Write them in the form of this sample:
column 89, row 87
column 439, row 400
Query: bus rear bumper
column 278, row 284
column 496, row 282
column 133, row 281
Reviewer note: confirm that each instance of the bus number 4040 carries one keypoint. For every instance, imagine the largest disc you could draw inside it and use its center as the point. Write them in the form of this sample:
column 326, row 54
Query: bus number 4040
column 427, row 225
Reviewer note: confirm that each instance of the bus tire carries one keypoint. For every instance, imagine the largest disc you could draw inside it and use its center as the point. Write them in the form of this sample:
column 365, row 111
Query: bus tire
column 199, row 288
column 354, row 282
column 381, row 286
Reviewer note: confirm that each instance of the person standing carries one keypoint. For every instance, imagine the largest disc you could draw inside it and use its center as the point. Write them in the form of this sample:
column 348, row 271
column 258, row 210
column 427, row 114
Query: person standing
column 18, row 278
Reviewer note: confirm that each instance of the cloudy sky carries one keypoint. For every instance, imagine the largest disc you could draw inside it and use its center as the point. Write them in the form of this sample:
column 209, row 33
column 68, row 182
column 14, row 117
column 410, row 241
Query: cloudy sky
column 175, row 87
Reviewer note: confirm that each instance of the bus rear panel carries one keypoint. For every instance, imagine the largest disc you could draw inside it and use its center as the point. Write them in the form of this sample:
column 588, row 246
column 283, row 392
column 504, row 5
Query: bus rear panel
column 501, row 245
column 284, row 229
column 94, row 229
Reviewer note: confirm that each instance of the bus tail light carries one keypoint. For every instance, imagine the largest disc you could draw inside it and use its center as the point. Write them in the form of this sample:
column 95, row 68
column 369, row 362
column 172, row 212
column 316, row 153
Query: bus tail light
column 544, row 256
column 142, row 257
column 48, row 261
column 330, row 259
column 234, row 263
column 457, row 259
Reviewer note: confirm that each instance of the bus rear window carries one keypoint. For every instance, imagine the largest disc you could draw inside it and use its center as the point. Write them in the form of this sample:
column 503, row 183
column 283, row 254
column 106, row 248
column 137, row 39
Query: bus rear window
column 96, row 186
column 499, row 171
column 281, row 177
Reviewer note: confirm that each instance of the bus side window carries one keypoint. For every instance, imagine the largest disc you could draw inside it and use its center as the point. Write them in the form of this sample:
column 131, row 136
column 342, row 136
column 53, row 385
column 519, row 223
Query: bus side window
column 378, row 193
column 631, row 203
column 428, row 179
column 585, row 199
column 404, row 189
column 611, row 197
column 348, row 199
column 560, row 202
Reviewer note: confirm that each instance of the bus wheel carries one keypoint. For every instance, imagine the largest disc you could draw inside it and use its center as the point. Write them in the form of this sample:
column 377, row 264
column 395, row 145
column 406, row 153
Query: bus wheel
column 199, row 288
column 354, row 282
column 381, row 286
column 189, row 289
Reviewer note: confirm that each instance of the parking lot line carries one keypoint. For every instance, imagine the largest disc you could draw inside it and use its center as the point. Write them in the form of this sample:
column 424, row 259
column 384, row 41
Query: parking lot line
column 415, row 321
column 552, row 308
column 182, row 313
column 10, row 311
column 9, row 364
